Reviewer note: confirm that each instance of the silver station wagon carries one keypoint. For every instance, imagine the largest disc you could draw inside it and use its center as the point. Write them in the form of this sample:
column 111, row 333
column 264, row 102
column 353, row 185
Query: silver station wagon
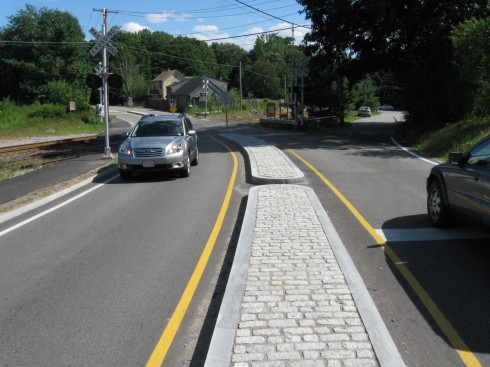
column 159, row 143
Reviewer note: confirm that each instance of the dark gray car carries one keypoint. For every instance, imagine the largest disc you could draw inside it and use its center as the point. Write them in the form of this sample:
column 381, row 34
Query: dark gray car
column 461, row 187
column 159, row 143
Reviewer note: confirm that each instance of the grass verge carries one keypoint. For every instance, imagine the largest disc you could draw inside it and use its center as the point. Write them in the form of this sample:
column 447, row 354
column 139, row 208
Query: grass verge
column 457, row 137
column 48, row 119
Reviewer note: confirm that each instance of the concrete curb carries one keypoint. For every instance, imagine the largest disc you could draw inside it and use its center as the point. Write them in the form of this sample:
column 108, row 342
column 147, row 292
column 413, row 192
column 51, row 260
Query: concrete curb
column 222, row 342
column 383, row 344
column 221, row 347
column 252, row 148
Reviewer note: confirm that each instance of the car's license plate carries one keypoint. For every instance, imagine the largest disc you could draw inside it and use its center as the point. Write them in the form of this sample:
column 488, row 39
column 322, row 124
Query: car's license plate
column 148, row 164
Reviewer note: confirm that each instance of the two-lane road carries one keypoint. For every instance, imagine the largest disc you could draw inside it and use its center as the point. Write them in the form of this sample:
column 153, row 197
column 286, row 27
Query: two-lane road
column 431, row 286
column 97, row 281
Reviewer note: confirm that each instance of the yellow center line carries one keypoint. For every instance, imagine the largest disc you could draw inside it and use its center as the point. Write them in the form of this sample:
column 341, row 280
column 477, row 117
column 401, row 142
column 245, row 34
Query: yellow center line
column 448, row 330
column 165, row 341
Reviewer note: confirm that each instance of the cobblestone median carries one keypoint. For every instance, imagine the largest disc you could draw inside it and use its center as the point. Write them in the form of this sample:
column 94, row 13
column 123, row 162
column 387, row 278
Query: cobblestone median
column 297, row 309
column 268, row 164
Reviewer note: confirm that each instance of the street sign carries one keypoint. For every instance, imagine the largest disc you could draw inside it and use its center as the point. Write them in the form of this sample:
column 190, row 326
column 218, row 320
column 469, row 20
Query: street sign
column 302, row 69
column 173, row 102
column 103, row 41
column 173, row 109
column 225, row 98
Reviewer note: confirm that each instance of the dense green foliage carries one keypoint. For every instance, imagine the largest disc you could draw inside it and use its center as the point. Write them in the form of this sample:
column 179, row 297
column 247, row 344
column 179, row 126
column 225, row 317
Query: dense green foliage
column 471, row 41
column 27, row 69
column 410, row 39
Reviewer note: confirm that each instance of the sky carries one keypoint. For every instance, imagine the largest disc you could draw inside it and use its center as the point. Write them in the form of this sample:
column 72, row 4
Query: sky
column 205, row 20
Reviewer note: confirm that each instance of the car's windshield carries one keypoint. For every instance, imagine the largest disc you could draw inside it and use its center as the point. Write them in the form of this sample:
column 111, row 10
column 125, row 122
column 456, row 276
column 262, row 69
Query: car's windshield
column 157, row 128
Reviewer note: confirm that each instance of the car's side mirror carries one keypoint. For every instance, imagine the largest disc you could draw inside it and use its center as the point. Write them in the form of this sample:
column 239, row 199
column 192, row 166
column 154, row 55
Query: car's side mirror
column 125, row 134
column 455, row 158
column 191, row 132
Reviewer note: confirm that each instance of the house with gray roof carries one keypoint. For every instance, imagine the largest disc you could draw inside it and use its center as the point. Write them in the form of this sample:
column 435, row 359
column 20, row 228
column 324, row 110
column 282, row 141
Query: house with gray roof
column 157, row 95
column 191, row 91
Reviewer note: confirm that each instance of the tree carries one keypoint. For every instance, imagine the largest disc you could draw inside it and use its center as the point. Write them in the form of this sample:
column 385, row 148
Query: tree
column 408, row 37
column 192, row 57
column 274, row 57
column 260, row 82
column 363, row 93
column 228, row 57
column 27, row 69
column 134, row 83
column 471, row 57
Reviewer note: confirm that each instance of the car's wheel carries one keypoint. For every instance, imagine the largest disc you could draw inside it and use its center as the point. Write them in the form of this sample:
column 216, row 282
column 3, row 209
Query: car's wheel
column 195, row 161
column 187, row 167
column 126, row 175
column 439, row 215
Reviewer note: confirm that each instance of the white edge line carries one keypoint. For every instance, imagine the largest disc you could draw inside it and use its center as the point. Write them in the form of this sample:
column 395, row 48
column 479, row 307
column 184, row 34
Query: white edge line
column 129, row 122
column 41, row 202
column 412, row 153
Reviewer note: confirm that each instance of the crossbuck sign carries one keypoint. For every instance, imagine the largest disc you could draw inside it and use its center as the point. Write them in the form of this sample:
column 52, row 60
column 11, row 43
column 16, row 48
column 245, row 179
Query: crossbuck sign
column 103, row 41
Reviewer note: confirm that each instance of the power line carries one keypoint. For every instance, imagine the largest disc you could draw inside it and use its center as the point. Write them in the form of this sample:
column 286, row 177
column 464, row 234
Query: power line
column 205, row 10
column 270, row 15
column 183, row 15
column 237, row 26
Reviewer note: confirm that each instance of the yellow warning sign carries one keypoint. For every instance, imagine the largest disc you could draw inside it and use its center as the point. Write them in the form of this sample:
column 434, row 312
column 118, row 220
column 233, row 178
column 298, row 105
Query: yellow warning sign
column 173, row 109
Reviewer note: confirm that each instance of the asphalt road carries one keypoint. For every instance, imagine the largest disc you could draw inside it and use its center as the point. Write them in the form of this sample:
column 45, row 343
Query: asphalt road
column 448, row 274
column 95, row 282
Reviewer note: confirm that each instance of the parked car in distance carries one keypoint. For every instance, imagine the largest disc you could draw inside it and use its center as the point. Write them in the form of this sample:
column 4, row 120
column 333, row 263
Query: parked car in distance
column 159, row 143
column 364, row 111
column 386, row 107
column 461, row 188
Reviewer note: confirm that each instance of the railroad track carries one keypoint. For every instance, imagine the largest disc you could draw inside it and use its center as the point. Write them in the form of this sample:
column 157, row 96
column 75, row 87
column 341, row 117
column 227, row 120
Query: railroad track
column 40, row 145
column 41, row 154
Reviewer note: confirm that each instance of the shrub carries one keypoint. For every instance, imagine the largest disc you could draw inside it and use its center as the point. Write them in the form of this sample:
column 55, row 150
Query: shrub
column 60, row 92
column 47, row 111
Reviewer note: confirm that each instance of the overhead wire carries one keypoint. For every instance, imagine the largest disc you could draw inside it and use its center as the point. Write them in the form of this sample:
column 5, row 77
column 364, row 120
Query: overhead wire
column 270, row 15
column 205, row 10
column 178, row 16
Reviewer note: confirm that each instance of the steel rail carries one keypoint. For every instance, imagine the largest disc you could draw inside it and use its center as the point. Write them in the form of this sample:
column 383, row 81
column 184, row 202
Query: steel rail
column 32, row 146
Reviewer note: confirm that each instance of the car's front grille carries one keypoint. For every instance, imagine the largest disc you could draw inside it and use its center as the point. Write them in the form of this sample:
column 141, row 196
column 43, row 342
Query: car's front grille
column 148, row 152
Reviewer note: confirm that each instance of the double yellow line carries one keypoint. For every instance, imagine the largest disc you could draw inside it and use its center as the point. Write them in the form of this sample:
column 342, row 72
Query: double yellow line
column 448, row 330
column 165, row 341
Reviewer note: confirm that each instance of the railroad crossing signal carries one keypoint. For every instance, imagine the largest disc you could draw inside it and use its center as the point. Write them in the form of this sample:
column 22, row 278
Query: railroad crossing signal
column 103, row 41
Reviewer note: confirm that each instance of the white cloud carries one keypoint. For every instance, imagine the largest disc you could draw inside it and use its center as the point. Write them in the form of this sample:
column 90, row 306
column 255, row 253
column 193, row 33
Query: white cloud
column 165, row 16
column 299, row 32
column 133, row 27
column 207, row 37
column 206, row 28
column 254, row 30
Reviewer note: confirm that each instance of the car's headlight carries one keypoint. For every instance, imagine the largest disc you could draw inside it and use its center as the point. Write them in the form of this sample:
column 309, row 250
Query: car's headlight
column 177, row 148
column 125, row 149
